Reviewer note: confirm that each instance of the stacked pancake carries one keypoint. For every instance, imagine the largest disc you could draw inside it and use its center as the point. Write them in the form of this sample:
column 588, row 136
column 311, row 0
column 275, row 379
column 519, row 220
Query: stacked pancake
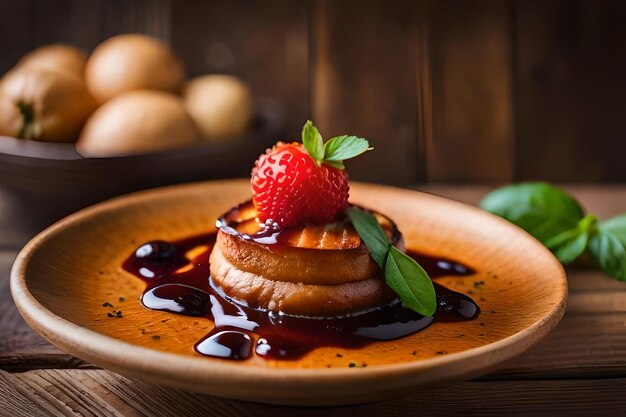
column 312, row 270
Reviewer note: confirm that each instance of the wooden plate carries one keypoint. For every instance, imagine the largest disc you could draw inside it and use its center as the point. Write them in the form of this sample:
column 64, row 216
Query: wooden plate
column 63, row 276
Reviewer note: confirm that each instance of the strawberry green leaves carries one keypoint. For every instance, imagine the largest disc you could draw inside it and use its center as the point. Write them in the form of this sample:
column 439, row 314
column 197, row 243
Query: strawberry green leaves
column 344, row 147
column 333, row 152
column 557, row 220
column 313, row 142
column 403, row 275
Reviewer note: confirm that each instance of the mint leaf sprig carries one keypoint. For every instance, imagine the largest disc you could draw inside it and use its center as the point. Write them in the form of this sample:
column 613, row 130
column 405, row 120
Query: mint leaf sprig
column 402, row 273
column 336, row 150
column 557, row 220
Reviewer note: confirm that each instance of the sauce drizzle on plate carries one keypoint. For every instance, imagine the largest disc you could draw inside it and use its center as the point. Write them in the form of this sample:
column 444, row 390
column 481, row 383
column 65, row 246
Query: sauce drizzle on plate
column 181, row 284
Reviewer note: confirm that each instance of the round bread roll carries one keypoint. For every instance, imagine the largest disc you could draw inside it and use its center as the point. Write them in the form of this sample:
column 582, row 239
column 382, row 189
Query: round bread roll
column 137, row 122
column 132, row 62
column 221, row 106
column 43, row 104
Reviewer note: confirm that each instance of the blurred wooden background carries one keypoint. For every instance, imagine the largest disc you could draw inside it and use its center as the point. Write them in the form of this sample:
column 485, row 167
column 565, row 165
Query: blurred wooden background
column 461, row 91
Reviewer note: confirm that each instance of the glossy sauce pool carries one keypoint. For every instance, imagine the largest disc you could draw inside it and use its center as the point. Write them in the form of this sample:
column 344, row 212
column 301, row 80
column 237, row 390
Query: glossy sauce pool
column 178, row 280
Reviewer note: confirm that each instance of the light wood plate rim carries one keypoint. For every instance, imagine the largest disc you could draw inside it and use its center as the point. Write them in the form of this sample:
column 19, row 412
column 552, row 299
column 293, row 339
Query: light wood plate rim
column 225, row 379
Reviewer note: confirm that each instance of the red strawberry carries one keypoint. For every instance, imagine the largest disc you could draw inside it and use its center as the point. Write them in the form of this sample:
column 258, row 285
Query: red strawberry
column 290, row 189
column 295, row 184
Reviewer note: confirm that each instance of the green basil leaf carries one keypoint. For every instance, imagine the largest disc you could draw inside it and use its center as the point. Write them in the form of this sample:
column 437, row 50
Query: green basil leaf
column 313, row 142
column 541, row 209
column 409, row 280
column 617, row 226
column 403, row 275
column 609, row 252
column 568, row 245
column 344, row 147
column 372, row 234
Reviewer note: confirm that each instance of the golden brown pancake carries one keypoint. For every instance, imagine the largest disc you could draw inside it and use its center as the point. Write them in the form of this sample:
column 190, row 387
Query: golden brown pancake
column 314, row 270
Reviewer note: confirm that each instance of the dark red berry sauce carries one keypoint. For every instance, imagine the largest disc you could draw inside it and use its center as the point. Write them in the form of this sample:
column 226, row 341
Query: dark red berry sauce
column 239, row 330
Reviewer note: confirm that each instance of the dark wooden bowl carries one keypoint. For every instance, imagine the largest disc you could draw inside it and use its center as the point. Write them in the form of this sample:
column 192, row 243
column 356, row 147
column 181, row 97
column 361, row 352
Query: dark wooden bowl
column 50, row 180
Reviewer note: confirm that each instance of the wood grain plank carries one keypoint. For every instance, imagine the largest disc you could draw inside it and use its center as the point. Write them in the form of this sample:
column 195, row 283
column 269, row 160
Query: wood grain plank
column 18, row 399
column 21, row 348
column 16, row 34
column 28, row 24
column 570, row 63
column 582, row 346
column 10, row 320
column 264, row 43
column 364, row 82
column 472, row 90
column 604, row 200
column 19, row 221
column 78, row 398
column 137, row 396
column 150, row 17
column 589, row 302
column 67, row 21
column 102, row 393
column 583, row 278
column 27, row 350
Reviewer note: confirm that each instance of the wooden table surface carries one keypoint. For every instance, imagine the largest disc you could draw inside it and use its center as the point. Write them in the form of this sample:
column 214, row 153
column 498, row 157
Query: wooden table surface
column 580, row 369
